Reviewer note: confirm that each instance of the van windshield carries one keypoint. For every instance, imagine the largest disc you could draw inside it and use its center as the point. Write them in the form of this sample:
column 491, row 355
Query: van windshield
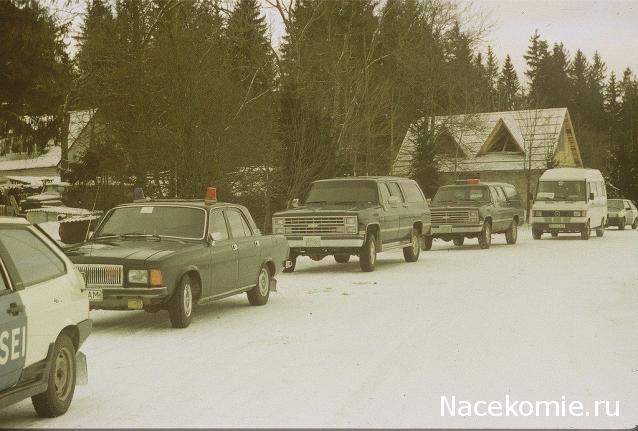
column 561, row 191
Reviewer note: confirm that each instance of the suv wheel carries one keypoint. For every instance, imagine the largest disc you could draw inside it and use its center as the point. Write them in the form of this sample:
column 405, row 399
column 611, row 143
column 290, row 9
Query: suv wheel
column 622, row 224
column 62, row 374
column 511, row 235
column 411, row 253
column 293, row 264
column 485, row 238
column 368, row 254
column 260, row 293
column 458, row 241
column 586, row 232
column 342, row 258
column 600, row 230
column 426, row 243
column 180, row 307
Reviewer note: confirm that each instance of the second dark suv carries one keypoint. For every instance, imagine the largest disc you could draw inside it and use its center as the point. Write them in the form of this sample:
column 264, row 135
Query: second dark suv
column 473, row 209
column 358, row 216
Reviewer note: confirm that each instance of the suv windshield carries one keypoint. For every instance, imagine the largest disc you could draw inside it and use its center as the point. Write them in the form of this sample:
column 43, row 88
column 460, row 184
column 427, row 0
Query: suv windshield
column 348, row 191
column 561, row 191
column 615, row 204
column 453, row 194
column 167, row 221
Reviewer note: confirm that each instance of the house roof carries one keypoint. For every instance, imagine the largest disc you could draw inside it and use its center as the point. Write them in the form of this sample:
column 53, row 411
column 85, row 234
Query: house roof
column 52, row 154
column 536, row 131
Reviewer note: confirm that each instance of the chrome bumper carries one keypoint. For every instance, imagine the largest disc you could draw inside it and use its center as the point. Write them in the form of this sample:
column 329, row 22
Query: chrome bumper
column 436, row 230
column 326, row 243
column 137, row 292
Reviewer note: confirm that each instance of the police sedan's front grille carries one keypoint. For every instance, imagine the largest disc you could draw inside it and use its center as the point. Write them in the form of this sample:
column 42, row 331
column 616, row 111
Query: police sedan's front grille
column 317, row 225
column 453, row 217
column 96, row 275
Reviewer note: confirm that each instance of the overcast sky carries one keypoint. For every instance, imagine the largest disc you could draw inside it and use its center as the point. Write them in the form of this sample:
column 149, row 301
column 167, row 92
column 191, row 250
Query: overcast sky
column 607, row 26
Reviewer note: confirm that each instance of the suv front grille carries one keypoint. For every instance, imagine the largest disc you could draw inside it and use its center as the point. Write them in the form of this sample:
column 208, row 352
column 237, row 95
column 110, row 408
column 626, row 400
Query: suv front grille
column 314, row 225
column 96, row 275
column 452, row 217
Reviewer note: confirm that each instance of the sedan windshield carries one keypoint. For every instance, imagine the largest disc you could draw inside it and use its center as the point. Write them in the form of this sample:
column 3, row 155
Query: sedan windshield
column 466, row 194
column 336, row 192
column 155, row 221
column 561, row 191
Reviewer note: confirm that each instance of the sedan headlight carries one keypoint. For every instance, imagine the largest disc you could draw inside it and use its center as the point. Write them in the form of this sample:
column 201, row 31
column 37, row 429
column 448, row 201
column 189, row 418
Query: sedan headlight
column 138, row 276
column 578, row 213
column 149, row 277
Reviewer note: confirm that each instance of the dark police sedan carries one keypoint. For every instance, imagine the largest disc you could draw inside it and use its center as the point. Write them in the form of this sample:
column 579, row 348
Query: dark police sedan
column 172, row 254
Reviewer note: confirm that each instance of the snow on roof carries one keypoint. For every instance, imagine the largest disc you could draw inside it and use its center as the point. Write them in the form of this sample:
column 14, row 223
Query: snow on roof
column 53, row 154
column 537, row 131
column 47, row 159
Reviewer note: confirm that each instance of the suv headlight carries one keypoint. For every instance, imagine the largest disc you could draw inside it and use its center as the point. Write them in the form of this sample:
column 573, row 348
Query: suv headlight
column 351, row 224
column 278, row 225
column 474, row 216
column 579, row 213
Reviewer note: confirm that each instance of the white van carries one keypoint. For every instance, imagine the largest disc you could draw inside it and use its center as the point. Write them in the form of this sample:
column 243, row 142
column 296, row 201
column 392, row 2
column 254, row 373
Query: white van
column 570, row 200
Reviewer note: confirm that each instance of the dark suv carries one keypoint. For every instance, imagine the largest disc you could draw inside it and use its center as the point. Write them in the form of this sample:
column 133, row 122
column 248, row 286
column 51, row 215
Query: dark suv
column 472, row 209
column 358, row 216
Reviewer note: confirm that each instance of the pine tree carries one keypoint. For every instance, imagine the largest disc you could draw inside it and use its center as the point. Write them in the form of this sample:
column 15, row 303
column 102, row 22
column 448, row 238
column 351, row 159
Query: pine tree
column 508, row 86
column 492, row 76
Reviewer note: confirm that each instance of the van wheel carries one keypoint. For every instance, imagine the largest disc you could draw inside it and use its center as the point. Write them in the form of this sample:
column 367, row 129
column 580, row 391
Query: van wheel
column 180, row 307
column 259, row 294
column 56, row 400
column 622, row 224
column 411, row 253
column 536, row 233
column 511, row 235
column 293, row 264
column 586, row 232
column 342, row 258
column 426, row 243
column 554, row 234
column 485, row 238
column 458, row 241
column 368, row 254
column 600, row 230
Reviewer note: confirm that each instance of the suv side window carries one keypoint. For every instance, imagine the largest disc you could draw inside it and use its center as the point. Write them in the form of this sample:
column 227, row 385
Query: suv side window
column 384, row 192
column 494, row 194
column 238, row 226
column 412, row 192
column 31, row 260
column 501, row 194
column 395, row 191
column 217, row 226
column 511, row 193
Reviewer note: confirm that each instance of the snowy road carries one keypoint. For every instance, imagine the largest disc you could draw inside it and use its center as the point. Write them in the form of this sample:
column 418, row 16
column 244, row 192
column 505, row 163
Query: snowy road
column 337, row 347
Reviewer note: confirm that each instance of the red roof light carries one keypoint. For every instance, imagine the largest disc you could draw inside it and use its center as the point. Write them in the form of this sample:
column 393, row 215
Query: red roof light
column 469, row 181
column 211, row 195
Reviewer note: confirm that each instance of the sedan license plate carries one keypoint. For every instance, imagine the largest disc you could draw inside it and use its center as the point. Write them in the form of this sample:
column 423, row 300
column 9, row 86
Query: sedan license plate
column 445, row 228
column 95, row 295
column 556, row 226
column 312, row 241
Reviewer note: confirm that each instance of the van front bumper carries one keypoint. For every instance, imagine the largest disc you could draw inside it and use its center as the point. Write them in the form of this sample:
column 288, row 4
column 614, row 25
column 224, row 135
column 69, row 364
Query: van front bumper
column 572, row 226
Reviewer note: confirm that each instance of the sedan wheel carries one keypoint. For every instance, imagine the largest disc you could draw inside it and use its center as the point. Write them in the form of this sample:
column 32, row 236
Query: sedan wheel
column 259, row 294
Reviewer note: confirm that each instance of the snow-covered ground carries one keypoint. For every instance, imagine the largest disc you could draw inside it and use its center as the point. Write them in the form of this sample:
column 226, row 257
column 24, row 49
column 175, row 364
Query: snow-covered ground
column 335, row 347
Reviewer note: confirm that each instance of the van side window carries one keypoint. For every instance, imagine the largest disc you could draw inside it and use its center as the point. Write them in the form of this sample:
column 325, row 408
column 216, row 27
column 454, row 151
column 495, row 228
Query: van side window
column 412, row 192
column 395, row 191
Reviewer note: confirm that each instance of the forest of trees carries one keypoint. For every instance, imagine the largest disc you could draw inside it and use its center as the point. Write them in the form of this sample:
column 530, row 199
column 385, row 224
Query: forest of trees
column 194, row 93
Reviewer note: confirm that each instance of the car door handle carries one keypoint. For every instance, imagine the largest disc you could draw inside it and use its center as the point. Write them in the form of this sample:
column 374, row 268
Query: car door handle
column 234, row 247
column 257, row 244
column 15, row 309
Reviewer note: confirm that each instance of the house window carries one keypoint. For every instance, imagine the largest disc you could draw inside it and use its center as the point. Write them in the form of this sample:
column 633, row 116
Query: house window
column 501, row 141
column 446, row 145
